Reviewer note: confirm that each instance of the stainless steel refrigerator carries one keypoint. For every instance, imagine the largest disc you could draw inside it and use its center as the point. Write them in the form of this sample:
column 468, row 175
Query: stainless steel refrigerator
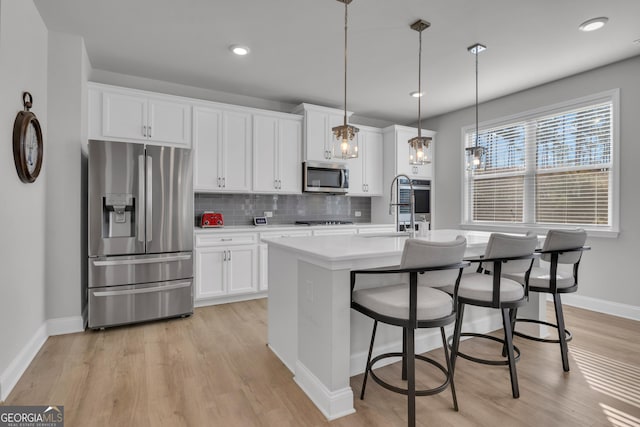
column 140, row 233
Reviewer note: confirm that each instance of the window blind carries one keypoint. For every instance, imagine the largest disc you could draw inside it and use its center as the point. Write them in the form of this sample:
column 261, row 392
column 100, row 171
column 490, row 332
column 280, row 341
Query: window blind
column 547, row 169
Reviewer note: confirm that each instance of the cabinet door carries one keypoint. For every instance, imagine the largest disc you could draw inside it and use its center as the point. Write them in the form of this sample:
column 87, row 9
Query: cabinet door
column 207, row 137
column 169, row 122
column 289, row 159
column 265, row 154
column 373, row 170
column 242, row 269
column 317, row 130
column 236, row 151
column 124, row 116
column 356, row 168
column 210, row 272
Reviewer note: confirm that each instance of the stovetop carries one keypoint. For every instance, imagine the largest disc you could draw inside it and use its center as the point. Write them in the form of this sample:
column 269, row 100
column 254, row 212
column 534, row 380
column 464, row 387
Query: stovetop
column 323, row 222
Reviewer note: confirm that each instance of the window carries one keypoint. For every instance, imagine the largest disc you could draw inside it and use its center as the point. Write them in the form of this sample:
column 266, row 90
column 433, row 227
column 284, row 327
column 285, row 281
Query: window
column 549, row 168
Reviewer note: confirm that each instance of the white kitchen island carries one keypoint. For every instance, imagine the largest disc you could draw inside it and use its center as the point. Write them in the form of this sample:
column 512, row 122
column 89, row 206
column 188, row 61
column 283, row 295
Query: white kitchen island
column 312, row 328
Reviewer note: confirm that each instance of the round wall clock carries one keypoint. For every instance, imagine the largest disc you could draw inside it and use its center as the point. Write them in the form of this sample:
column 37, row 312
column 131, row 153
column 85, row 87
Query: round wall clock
column 27, row 142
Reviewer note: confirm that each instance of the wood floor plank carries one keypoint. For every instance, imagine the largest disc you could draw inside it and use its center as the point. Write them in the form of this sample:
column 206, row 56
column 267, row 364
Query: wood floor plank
column 215, row 369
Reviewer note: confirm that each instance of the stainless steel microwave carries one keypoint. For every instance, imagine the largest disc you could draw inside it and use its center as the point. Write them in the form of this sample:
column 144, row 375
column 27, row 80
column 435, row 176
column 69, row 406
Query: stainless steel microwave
column 325, row 177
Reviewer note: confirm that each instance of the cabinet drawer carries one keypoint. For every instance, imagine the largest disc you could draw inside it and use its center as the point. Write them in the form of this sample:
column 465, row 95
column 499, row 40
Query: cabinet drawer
column 292, row 233
column 226, row 239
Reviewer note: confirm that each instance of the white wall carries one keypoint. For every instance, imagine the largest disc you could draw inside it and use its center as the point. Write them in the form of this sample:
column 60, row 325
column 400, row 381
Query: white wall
column 608, row 271
column 65, row 212
column 23, row 67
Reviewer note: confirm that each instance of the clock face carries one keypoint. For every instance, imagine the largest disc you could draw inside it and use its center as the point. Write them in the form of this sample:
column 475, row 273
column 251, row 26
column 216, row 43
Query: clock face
column 31, row 147
column 27, row 146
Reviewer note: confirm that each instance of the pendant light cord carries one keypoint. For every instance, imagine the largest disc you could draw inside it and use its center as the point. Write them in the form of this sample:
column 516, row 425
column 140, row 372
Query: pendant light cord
column 477, row 52
column 345, row 61
column 420, row 85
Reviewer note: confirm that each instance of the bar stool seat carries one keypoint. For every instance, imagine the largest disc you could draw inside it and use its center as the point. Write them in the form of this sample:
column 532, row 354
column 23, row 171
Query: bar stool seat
column 479, row 287
column 393, row 301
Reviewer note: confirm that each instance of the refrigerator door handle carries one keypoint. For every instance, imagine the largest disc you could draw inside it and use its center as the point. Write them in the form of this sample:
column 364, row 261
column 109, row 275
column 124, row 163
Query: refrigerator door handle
column 107, row 263
column 142, row 291
column 139, row 207
column 149, row 198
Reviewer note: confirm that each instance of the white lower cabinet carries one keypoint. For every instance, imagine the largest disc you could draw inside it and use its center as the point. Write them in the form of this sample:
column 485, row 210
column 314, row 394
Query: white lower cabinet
column 338, row 231
column 226, row 265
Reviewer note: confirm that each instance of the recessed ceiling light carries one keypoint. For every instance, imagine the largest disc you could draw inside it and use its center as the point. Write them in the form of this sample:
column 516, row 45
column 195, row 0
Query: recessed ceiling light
column 636, row 42
column 416, row 94
column 239, row 50
column 593, row 24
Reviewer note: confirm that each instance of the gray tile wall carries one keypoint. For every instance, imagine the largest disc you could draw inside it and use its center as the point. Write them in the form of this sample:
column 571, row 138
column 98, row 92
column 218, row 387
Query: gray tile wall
column 239, row 209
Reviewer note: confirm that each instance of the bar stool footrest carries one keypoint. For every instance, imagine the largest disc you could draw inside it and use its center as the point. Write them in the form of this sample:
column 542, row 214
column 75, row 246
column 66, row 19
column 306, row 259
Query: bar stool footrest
column 516, row 350
column 568, row 335
column 423, row 392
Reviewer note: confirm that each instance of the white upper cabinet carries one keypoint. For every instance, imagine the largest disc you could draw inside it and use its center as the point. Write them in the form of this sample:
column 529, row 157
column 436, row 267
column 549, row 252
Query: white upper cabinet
column 222, row 145
column 277, row 163
column 120, row 114
column 397, row 137
column 366, row 172
column 318, row 137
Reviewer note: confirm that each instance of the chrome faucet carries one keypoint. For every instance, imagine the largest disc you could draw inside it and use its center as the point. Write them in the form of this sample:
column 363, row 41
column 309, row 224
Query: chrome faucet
column 411, row 204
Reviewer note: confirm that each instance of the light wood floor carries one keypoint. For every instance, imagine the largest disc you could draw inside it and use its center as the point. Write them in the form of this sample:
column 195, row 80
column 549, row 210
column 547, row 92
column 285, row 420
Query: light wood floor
column 214, row 369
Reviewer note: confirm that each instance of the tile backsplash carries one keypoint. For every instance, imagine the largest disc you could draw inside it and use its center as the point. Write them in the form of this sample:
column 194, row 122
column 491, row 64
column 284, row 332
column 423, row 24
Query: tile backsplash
column 239, row 209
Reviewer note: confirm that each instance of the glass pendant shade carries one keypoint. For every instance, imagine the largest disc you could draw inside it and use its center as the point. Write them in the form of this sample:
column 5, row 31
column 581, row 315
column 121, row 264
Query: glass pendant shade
column 475, row 158
column 419, row 145
column 345, row 145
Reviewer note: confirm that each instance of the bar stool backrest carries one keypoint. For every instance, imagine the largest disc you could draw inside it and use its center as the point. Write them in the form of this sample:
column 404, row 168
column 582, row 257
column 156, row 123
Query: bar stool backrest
column 564, row 239
column 421, row 253
column 505, row 246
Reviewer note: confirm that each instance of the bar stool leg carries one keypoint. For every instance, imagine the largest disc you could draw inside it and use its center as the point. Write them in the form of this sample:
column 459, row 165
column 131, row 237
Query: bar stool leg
column 557, row 304
column 449, row 371
column 411, row 380
column 404, row 357
column 366, row 368
column 456, row 336
column 508, row 337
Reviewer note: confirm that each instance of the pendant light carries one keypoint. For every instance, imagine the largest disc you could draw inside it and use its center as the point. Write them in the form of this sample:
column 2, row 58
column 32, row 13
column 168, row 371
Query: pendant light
column 418, row 146
column 345, row 146
column 475, row 154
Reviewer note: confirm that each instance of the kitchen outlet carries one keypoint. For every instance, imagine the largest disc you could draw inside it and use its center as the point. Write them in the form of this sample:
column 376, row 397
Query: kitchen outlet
column 358, row 214
column 268, row 214
column 308, row 290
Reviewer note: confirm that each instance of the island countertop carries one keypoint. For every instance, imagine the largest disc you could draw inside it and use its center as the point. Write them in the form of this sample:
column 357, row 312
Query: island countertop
column 343, row 248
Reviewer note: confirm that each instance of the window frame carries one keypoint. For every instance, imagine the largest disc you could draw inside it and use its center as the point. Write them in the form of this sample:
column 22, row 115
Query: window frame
column 612, row 230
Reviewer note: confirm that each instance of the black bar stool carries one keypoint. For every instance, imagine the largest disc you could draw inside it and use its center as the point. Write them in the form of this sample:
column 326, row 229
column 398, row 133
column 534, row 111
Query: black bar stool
column 408, row 298
column 560, row 247
column 488, row 287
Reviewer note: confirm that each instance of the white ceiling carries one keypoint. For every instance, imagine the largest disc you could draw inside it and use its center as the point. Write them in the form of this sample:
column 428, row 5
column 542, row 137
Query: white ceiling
column 297, row 46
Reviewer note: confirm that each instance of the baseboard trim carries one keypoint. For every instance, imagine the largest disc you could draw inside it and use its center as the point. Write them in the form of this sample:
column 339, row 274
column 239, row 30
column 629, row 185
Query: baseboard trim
column 10, row 377
column 617, row 309
column 65, row 325
column 228, row 299
column 332, row 404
